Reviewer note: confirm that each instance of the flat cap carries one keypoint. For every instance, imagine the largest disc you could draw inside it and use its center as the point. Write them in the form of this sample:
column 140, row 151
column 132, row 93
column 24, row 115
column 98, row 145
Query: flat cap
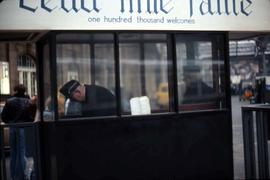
column 192, row 68
column 69, row 87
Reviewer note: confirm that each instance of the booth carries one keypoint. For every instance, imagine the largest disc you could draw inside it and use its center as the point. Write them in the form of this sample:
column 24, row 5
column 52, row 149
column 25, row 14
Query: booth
column 168, row 59
column 190, row 133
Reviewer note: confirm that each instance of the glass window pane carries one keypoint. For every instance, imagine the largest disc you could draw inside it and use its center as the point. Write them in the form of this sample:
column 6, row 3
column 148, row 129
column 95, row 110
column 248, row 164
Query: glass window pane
column 4, row 78
column 26, row 67
column 130, row 77
column 48, row 103
column 156, row 75
column 92, row 66
column 104, row 66
column 70, row 37
column 143, row 72
column 199, row 73
column 137, row 37
column 73, row 62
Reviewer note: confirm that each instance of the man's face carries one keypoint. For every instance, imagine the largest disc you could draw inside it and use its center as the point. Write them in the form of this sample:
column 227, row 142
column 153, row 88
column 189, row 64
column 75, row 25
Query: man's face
column 78, row 94
column 191, row 76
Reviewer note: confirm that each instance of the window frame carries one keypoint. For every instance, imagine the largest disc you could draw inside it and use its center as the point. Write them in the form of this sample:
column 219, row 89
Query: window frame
column 142, row 43
column 218, row 54
column 171, row 54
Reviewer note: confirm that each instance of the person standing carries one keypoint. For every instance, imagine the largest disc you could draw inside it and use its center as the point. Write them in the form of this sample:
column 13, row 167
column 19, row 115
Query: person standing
column 16, row 110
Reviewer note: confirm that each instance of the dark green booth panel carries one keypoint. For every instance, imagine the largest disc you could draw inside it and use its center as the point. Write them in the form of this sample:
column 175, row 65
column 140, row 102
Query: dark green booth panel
column 159, row 147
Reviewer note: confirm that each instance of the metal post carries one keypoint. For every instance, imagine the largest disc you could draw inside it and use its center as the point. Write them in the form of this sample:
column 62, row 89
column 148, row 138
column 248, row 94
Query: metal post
column 261, row 122
column 249, row 150
column 265, row 143
column 3, row 159
column 37, row 161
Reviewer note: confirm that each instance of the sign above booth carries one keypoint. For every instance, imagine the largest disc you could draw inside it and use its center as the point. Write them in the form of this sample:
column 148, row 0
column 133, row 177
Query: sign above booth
column 198, row 15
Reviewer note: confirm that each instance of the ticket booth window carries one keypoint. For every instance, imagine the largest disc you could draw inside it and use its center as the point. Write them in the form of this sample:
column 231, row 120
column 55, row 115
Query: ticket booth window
column 88, row 59
column 200, row 72
column 153, row 72
column 144, row 72
column 48, row 106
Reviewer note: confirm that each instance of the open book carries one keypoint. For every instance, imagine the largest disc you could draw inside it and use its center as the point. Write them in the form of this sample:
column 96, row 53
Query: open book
column 140, row 105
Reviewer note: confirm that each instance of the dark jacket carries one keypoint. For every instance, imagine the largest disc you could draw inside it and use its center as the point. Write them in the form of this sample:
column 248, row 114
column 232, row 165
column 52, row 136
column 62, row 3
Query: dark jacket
column 198, row 92
column 99, row 102
column 16, row 110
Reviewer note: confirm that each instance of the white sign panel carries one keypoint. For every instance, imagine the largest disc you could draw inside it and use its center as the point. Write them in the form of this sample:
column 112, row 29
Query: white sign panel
column 221, row 15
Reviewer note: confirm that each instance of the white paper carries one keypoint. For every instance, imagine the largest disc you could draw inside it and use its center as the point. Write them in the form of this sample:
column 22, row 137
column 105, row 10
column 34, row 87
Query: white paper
column 145, row 105
column 140, row 105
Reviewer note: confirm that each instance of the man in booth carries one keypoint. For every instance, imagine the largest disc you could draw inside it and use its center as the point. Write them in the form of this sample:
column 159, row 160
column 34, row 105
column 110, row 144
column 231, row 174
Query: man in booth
column 95, row 100
column 197, row 91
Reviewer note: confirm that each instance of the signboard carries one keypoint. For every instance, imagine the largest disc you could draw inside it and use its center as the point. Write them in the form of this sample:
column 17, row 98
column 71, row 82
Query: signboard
column 202, row 15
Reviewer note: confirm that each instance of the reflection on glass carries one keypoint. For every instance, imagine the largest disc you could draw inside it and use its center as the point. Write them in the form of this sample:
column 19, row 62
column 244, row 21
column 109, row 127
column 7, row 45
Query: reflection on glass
column 156, row 75
column 4, row 78
column 27, row 73
column 199, row 70
column 48, row 104
column 143, row 71
column 129, row 74
column 73, row 62
column 104, row 66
